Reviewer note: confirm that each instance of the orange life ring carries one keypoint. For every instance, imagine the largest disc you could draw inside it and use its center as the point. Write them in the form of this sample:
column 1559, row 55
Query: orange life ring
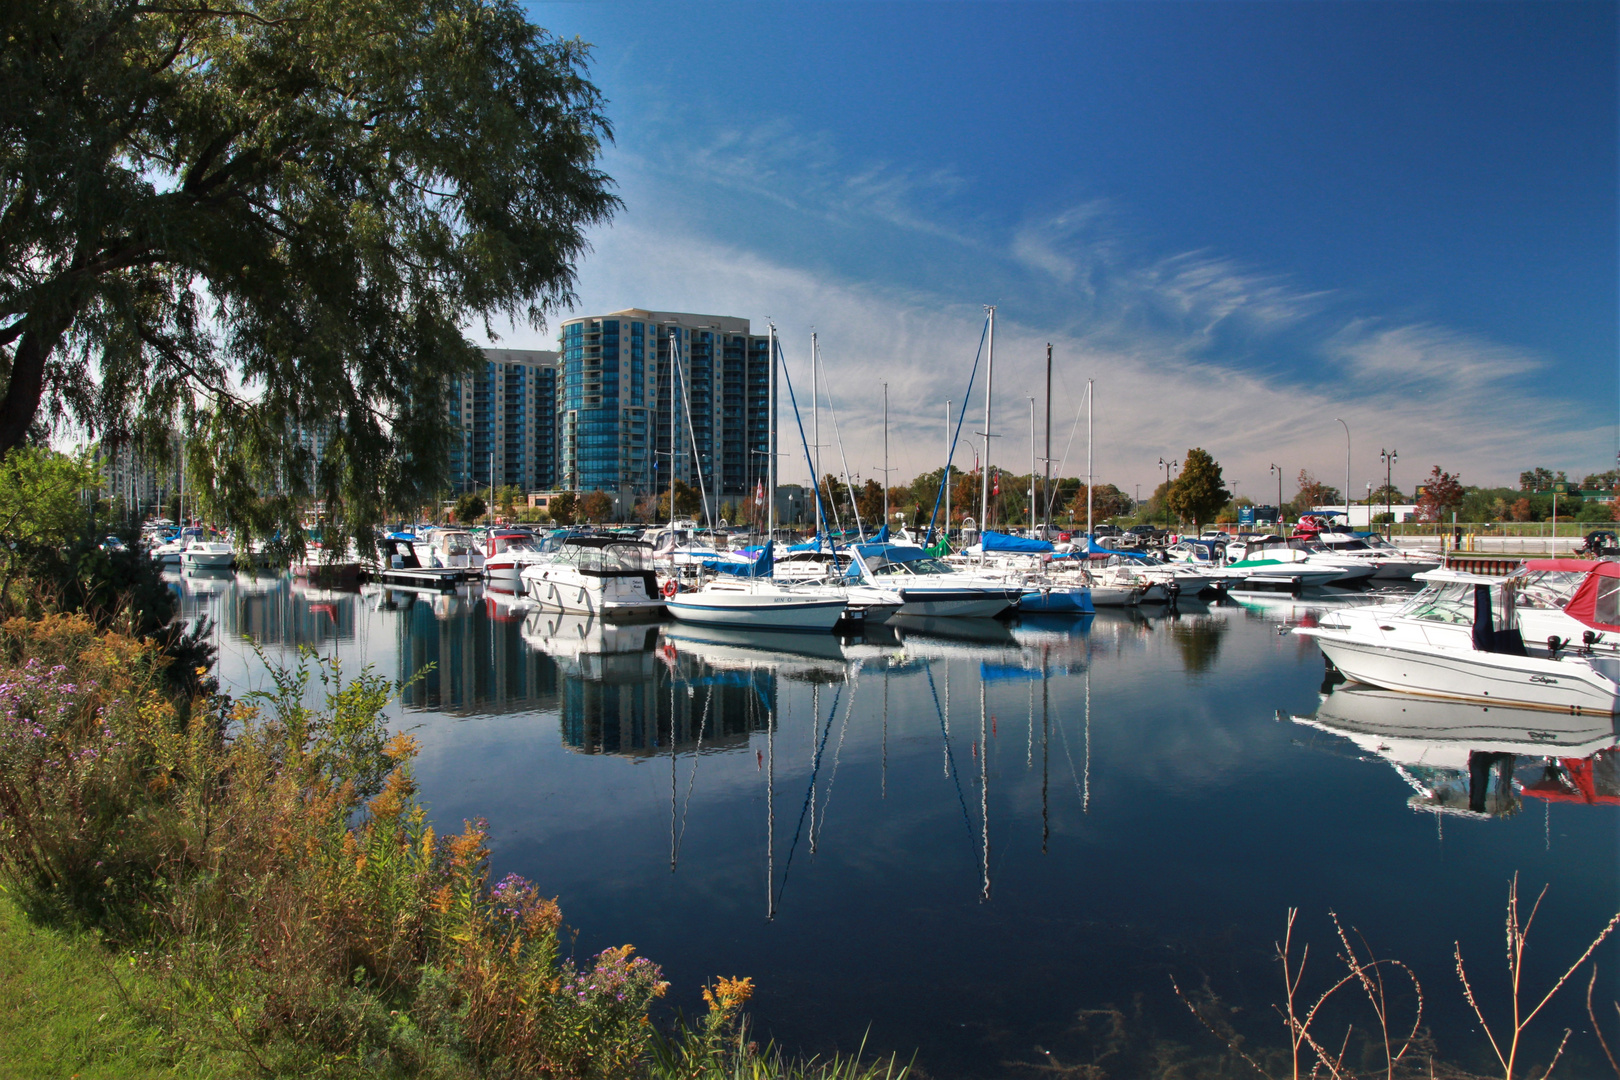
column 670, row 589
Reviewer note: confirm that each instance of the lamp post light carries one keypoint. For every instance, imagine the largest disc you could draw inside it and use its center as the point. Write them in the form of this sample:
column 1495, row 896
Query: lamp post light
column 1388, row 457
column 1279, row 474
column 1167, row 466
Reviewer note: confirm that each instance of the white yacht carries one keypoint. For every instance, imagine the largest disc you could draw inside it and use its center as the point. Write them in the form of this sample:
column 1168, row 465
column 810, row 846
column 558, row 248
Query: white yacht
column 1271, row 557
column 1459, row 638
column 201, row 553
column 605, row 576
column 448, row 549
column 929, row 586
column 507, row 553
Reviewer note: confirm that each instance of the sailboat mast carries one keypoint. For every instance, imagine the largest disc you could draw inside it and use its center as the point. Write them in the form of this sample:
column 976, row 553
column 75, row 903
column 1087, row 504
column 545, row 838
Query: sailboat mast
column 947, row 478
column 885, row 456
column 1032, row 466
column 1046, row 487
column 674, row 428
column 1090, row 405
column 989, row 385
column 815, row 430
column 770, row 449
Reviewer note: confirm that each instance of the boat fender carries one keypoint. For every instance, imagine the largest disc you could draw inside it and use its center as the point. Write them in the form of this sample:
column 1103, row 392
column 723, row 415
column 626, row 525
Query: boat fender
column 670, row 589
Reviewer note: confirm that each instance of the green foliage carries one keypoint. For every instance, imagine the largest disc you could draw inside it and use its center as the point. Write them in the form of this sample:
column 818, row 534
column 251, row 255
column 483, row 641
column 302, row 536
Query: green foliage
column 287, row 897
column 270, row 220
column 1539, row 479
column 470, row 507
column 66, row 1015
column 1595, row 511
column 563, row 507
column 1197, row 494
column 43, row 497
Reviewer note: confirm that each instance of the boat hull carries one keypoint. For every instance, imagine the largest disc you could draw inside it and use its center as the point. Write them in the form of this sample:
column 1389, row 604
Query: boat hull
column 612, row 599
column 207, row 560
column 1481, row 677
column 1061, row 600
column 760, row 611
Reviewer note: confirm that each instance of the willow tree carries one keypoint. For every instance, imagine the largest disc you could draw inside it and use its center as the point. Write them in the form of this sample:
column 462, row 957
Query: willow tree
column 267, row 224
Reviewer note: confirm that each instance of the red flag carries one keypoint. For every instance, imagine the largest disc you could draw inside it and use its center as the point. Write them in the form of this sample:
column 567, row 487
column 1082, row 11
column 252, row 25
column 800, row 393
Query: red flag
column 759, row 493
column 996, row 482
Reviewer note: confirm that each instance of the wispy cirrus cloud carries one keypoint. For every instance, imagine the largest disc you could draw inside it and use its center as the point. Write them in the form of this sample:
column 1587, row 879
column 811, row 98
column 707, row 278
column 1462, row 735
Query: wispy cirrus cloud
column 1187, row 348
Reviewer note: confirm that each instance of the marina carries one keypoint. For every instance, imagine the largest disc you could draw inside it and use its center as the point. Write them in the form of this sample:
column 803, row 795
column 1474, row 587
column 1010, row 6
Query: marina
column 956, row 834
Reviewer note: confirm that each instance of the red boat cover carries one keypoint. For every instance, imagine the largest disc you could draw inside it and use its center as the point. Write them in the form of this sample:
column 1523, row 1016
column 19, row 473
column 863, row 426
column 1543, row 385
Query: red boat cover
column 1597, row 602
column 1578, row 565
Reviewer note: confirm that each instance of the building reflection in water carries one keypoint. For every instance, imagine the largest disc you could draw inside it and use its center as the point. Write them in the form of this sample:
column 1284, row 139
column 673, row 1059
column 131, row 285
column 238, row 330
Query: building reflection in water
column 275, row 610
column 623, row 692
column 1473, row 760
column 474, row 644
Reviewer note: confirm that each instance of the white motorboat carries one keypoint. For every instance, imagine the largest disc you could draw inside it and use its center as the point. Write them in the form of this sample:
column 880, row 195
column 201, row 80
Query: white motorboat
column 1459, row 638
column 928, row 586
column 760, row 603
column 167, row 552
column 449, row 549
column 1269, row 557
column 605, row 576
column 507, row 553
column 1390, row 563
column 201, row 553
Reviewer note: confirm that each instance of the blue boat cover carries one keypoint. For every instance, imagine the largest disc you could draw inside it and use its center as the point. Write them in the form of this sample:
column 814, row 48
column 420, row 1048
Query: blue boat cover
column 898, row 553
column 760, row 567
column 882, row 536
column 994, row 541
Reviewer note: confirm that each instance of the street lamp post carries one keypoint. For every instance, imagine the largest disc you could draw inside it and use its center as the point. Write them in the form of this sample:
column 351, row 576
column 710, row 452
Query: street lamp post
column 1167, row 466
column 1279, row 473
column 1388, row 457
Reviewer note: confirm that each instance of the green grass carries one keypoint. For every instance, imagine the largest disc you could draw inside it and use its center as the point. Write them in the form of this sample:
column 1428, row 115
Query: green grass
column 63, row 1015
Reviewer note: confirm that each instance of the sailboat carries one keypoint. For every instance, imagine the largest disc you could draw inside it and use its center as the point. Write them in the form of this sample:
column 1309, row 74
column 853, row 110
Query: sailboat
column 746, row 595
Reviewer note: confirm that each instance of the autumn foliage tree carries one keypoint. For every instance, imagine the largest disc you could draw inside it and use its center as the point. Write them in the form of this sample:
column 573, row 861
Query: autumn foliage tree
column 596, row 506
column 1442, row 493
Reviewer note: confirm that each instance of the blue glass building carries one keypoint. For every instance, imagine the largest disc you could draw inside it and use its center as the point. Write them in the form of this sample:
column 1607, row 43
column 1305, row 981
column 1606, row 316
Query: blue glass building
column 615, row 396
column 508, row 409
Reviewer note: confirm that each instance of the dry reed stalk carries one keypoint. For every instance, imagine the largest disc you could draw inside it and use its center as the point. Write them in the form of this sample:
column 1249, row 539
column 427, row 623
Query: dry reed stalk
column 1517, row 934
column 1597, row 1029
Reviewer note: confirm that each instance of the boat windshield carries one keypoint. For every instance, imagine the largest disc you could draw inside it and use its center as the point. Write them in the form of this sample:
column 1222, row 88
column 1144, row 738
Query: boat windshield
column 915, row 566
column 1546, row 588
column 1443, row 601
column 1347, row 544
column 607, row 557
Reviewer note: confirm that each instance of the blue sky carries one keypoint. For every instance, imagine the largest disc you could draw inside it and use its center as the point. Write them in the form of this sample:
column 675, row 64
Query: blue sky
column 1242, row 220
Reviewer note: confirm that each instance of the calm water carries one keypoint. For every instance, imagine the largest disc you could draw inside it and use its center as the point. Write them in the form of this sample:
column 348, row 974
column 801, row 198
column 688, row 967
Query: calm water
column 962, row 835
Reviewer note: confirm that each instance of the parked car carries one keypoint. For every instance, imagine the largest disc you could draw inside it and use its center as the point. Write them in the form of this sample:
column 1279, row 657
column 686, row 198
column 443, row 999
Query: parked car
column 1106, row 530
column 1147, row 533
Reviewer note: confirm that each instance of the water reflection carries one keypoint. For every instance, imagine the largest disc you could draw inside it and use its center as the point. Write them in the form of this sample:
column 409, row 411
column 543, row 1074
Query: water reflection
column 1470, row 759
column 1074, row 805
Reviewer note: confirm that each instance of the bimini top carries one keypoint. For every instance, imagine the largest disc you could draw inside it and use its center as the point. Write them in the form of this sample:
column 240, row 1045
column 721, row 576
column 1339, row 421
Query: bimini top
column 1597, row 602
column 896, row 553
column 1580, row 566
column 995, row 541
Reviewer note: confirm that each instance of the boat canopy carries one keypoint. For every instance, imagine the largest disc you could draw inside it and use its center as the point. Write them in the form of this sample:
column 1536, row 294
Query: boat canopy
column 896, row 553
column 1597, row 602
column 995, row 541
column 759, row 567
column 1580, row 566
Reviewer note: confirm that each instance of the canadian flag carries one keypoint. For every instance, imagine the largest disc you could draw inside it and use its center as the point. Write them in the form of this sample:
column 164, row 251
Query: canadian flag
column 995, row 476
column 759, row 493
